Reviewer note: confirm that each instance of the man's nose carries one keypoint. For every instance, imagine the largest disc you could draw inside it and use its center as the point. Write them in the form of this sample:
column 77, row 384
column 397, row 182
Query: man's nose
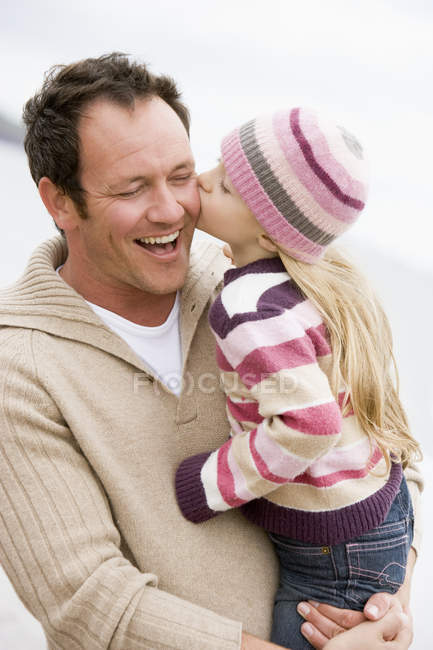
column 165, row 207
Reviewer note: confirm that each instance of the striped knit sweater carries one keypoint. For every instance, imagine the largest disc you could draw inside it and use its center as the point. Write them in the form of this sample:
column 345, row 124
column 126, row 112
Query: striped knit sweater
column 293, row 463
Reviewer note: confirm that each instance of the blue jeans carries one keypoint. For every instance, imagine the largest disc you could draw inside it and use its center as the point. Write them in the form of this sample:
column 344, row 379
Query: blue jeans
column 344, row 575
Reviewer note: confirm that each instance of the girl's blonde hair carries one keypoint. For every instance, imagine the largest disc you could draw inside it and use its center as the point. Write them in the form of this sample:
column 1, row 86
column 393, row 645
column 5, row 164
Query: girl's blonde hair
column 361, row 343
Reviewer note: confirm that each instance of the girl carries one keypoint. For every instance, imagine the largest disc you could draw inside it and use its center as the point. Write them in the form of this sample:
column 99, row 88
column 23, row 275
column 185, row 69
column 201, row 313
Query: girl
column 318, row 433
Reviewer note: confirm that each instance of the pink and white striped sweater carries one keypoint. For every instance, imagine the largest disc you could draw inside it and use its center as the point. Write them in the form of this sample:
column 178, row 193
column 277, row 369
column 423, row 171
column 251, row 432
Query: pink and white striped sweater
column 293, row 463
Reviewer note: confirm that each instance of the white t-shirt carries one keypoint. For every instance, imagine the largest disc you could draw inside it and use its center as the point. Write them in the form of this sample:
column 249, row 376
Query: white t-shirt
column 159, row 347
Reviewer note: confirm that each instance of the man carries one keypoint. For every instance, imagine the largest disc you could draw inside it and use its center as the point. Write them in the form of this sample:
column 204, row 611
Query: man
column 94, row 340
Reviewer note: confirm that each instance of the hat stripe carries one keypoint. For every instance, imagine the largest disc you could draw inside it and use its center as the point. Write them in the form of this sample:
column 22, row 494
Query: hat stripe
column 318, row 169
column 303, row 172
column 283, row 170
column 245, row 182
column 275, row 191
column 300, row 175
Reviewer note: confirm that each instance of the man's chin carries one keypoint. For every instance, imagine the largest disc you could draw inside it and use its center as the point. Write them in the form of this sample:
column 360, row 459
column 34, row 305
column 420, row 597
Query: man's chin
column 166, row 285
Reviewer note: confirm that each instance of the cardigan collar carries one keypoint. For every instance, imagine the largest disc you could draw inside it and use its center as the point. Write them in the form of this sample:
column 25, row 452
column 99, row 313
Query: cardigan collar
column 41, row 300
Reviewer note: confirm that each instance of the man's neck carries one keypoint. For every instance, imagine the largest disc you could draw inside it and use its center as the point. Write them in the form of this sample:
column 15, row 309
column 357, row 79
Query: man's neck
column 131, row 303
column 148, row 313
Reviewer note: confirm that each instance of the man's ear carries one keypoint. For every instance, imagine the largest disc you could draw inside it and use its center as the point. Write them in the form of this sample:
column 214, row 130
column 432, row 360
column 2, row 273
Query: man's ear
column 266, row 243
column 59, row 205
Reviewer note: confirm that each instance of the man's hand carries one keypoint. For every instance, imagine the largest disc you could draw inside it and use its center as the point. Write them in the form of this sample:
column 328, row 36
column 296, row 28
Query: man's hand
column 250, row 642
column 391, row 632
column 325, row 622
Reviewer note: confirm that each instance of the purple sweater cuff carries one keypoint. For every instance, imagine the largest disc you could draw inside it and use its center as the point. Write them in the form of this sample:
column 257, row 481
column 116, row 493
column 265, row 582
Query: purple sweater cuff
column 190, row 494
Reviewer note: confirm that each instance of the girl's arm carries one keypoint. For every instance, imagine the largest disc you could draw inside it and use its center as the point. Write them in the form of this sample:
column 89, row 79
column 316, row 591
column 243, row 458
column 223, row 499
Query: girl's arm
column 297, row 418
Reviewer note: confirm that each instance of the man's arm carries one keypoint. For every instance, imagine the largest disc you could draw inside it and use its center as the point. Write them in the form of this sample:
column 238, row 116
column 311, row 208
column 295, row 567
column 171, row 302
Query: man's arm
column 250, row 642
column 59, row 544
column 415, row 483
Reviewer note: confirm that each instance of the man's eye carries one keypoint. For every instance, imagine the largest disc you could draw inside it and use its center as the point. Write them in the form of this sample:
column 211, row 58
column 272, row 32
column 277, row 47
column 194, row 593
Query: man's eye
column 128, row 195
column 183, row 178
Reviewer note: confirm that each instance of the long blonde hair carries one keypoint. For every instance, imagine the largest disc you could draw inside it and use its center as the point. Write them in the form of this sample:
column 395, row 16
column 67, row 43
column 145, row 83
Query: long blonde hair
column 361, row 343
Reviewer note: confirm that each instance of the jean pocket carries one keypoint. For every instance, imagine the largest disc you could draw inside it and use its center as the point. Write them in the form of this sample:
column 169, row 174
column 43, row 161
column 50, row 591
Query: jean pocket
column 377, row 561
column 303, row 562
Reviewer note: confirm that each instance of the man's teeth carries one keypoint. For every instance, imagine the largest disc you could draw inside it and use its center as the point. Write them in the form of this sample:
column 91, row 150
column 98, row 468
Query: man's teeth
column 160, row 240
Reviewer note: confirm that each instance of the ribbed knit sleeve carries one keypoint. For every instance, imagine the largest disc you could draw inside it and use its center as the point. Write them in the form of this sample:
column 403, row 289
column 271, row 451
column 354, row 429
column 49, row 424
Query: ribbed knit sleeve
column 58, row 542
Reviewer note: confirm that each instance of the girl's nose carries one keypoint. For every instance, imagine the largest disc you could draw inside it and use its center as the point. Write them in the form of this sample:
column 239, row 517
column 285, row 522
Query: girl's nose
column 204, row 181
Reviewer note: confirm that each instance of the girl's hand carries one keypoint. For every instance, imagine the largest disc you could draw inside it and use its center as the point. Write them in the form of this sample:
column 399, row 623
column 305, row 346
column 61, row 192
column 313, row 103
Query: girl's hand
column 392, row 632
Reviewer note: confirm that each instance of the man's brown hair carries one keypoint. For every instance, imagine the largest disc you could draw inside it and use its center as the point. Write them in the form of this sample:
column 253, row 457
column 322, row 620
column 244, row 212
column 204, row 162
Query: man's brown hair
column 51, row 117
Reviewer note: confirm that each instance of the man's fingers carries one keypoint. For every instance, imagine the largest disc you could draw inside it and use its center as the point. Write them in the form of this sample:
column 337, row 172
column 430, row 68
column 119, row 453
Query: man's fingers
column 393, row 624
column 323, row 625
column 405, row 636
column 377, row 606
column 330, row 619
column 313, row 636
column 325, row 622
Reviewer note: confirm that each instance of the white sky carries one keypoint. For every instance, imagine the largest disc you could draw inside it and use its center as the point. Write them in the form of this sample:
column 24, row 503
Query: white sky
column 367, row 63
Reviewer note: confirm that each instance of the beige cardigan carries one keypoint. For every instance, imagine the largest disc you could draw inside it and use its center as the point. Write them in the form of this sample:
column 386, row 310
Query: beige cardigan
column 90, row 533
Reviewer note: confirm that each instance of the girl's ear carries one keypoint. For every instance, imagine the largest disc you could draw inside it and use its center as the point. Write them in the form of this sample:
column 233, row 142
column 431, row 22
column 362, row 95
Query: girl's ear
column 265, row 242
column 59, row 205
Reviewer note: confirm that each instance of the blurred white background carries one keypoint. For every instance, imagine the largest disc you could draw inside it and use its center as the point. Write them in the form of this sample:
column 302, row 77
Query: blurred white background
column 368, row 64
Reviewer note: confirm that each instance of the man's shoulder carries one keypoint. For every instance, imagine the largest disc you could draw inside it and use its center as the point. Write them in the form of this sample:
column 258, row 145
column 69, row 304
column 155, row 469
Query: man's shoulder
column 40, row 269
column 13, row 336
column 208, row 253
column 17, row 340
column 207, row 266
column 16, row 353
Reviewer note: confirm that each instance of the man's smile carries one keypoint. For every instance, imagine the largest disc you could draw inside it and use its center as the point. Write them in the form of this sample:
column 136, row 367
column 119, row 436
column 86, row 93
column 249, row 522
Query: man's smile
column 162, row 246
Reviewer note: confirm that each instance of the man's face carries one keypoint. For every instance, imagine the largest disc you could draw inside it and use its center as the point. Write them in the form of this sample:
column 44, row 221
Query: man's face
column 137, row 172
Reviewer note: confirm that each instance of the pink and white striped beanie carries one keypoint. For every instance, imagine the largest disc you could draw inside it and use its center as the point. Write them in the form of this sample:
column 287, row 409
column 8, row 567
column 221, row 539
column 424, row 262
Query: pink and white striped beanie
column 303, row 177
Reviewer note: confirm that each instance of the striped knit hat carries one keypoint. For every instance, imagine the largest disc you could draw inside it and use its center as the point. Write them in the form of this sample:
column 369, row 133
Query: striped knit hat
column 304, row 178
